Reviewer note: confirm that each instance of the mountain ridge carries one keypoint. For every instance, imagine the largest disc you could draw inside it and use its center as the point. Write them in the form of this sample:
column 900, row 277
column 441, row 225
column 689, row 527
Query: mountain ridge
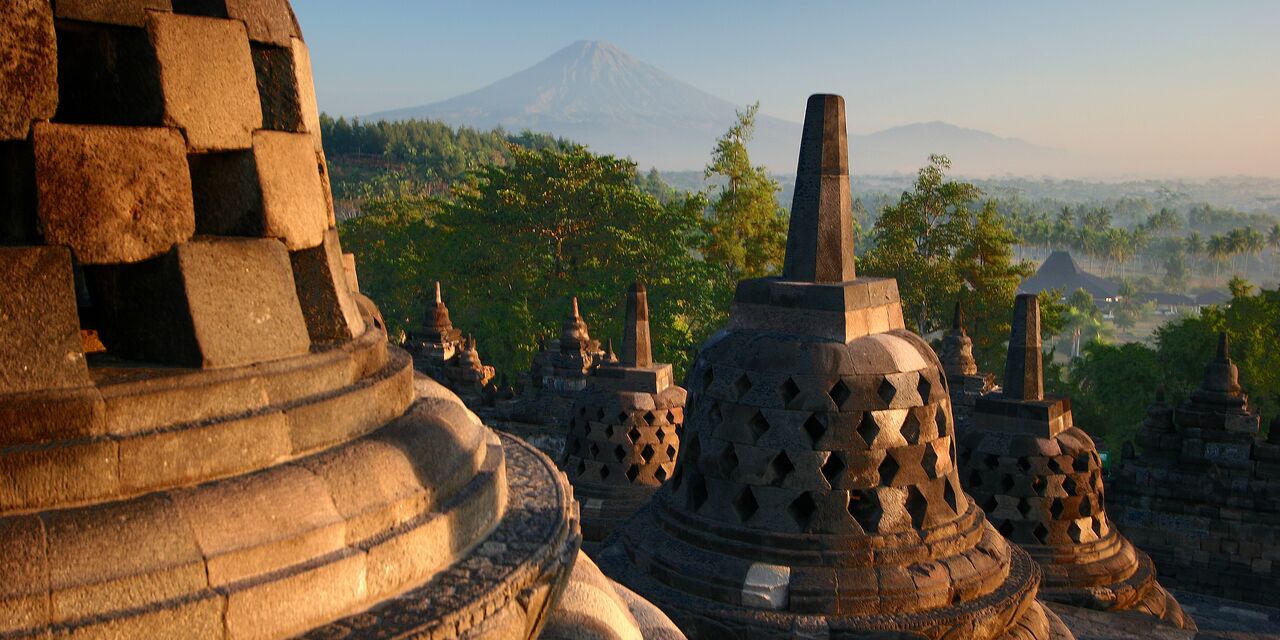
column 595, row 93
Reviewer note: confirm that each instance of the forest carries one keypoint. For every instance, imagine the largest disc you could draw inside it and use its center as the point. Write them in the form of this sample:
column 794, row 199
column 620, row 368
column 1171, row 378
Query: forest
column 514, row 225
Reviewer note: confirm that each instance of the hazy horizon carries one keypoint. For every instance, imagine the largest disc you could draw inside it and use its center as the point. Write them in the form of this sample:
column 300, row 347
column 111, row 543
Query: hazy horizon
column 1144, row 89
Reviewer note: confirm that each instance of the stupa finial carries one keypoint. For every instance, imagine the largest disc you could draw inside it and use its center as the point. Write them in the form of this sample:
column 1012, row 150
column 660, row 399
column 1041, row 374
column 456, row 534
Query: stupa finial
column 637, row 349
column 1024, row 367
column 820, row 237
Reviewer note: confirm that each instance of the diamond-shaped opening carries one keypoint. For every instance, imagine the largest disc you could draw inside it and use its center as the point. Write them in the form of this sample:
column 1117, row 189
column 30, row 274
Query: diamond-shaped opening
column 1081, row 463
column 714, row 415
column 802, row 509
column 1006, row 483
column 622, row 417
column 646, row 453
column 604, row 472
column 1076, row 533
column 1040, row 485
column 940, row 417
column 930, row 462
column 745, row 505
column 742, row 385
column 1041, row 533
column 975, row 478
column 1086, row 506
column 600, row 413
column 1098, row 527
column 991, row 461
column 949, row 495
column 911, row 428
column 728, row 461
column 989, row 504
column 619, row 453
column 864, row 506
column 595, row 450
column 886, row 391
column 1024, row 507
column 697, row 492
column 917, row 506
column 1055, row 508
column 708, row 374
column 1005, row 528
column 832, row 468
column 633, row 435
column 660, row 434
column 780, row 467
column 759, row 425
column 671, row 417
column 888, row 469
column 789, row 391
column 660, row 473
column 1053, row 466
column 671, row 452
column 1069, row 485
column 608, row 432
column 650, row 418
column 582, row 467
column 839, row 393
column 923, row 387
column 868, row 428
column 582, row 411
column 1024, row 465
column 814, row 427
column 632, row 472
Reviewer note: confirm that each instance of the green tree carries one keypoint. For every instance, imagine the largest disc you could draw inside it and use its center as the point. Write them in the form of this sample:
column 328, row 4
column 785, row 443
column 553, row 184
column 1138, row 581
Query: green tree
column 916, row 241
column 990, row 282
column 521, row 238
column 745, row 229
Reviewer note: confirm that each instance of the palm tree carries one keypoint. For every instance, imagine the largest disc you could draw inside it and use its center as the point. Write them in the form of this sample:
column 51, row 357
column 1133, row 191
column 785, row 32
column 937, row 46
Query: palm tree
column 1217, row 248
column 1273, row 241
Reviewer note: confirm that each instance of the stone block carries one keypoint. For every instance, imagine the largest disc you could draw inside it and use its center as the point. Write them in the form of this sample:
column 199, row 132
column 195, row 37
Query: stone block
column 113, row 194
column 128, row 13
column 199, row 453
column 40, row 344
column 293, row 602
column 24, row 575
column 52, row 476
column 107, row 75
column 270, row 21
column 53, row 414
column 293, row 200
column 327, row 305
column 28, row 66
column 278, row 88
column 306, row 89
column 121, row 555
column 209, row 303
column 207, row 73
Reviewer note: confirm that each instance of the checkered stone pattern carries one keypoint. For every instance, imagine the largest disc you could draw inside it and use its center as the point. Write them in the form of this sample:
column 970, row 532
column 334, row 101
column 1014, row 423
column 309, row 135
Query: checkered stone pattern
column 162, row 143
column 861, row 454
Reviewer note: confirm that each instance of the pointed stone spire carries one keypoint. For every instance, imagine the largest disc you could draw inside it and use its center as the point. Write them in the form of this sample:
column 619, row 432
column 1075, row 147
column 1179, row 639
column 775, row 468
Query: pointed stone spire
column 574, row 313
column 439, row 299
column 609, row 355
column 436, row 318
column 1221, row 375
column 636, row 348
column 820, row 238
column 574, row 334
column 1024, row 367
column 957, row 318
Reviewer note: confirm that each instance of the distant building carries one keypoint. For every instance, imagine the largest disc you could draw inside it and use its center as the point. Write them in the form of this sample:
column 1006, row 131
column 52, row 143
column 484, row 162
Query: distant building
column 1168, row 304
column 1213, row 297
column 1061, row 272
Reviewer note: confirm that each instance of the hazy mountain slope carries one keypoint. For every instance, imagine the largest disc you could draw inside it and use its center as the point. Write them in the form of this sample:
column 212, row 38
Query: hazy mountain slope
column 595, row 93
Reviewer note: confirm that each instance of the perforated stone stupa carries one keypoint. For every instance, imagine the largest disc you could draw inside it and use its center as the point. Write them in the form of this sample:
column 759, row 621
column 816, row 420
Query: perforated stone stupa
column 624, row 430
column 559, row 371
column 964, row 383
column 239, row 454
column 1039, row 478
column 441, row 351
column 1202, row 496
column 816, row 493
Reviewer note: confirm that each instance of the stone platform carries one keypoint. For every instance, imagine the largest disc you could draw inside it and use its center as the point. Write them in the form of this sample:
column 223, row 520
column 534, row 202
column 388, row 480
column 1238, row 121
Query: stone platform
column 512, row 573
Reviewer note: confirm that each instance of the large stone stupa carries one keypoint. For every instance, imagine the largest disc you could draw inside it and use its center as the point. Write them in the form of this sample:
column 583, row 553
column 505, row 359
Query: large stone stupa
column 816, row 493
column 1039, row 478
column 204, row 433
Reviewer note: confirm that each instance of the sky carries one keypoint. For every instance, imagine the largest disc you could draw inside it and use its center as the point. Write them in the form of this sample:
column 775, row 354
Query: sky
column 1186, row 88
